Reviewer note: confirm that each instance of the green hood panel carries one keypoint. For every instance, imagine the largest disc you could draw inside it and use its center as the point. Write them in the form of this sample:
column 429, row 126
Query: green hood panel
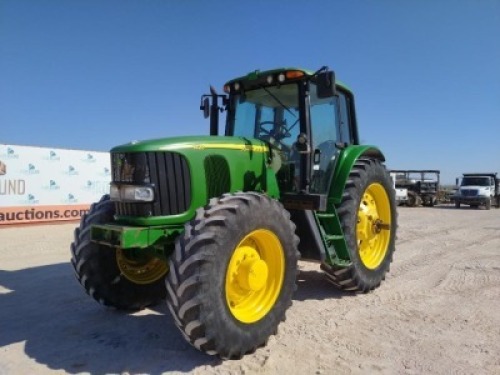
column 217, row 165
column 194, row 143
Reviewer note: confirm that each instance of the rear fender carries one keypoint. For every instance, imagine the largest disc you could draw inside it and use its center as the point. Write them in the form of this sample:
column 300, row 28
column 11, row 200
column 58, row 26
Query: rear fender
column 345, row 161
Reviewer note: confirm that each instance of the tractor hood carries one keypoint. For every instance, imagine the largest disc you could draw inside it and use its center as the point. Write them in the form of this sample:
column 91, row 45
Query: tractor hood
column 194, row 143
column 185, row 172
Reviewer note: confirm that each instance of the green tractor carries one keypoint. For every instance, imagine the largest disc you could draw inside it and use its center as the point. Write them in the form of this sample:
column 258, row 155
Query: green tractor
column 216, row 224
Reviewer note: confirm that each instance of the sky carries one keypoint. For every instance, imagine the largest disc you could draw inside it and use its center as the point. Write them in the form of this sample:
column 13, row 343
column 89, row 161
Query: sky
column 93, row 74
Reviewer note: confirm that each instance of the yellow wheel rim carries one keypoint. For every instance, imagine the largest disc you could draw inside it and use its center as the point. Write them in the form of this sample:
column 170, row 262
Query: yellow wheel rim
column 145, row 270
column 373, row 227
column 255, row 276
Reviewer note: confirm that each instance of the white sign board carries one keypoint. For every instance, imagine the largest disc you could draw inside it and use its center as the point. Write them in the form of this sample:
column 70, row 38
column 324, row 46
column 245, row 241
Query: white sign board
column 47, row 184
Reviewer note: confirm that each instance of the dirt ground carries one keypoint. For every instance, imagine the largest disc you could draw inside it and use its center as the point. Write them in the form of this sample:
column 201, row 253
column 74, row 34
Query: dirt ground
column 438, row 312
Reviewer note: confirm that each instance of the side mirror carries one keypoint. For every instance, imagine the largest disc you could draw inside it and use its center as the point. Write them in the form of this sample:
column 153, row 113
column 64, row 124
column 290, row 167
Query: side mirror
column 205, row 107
column 325, row 84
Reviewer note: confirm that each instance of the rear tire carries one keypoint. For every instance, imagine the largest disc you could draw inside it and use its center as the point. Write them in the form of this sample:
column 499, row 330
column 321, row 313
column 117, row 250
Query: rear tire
column 97, row 269
column 426, row 201
column 457, row 204
column 369, row 220
column 418, row 201
column 233, row 274
column 412, row 199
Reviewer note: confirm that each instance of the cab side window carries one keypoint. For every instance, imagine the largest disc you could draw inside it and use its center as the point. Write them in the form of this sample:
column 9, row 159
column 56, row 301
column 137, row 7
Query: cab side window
column 330, row 122
column 344, row 135
column 324, row 116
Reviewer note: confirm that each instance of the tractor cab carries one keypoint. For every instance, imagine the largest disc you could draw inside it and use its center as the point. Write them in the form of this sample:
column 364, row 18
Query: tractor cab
column 304, row 117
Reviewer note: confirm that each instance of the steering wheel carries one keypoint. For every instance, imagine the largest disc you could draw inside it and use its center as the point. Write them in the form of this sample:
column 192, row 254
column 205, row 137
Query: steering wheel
column 265, row 131
column 277, row 131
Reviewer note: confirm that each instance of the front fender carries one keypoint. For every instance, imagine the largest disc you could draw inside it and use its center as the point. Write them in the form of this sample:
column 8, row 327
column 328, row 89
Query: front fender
column 345, row 161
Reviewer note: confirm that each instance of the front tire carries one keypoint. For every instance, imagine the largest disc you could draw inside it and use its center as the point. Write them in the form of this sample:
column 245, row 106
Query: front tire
column 369, row 220
column 107, row 274
column 233, row 274
column 487, row 205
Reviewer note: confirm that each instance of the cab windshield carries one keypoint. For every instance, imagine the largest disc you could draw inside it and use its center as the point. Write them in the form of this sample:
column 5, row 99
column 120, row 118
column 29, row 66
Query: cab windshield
column 476, row 181
column 270, row 114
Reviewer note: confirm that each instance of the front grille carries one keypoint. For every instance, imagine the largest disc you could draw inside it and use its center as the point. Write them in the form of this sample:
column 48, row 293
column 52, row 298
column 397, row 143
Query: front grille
column 469, row 192
column 168, row 172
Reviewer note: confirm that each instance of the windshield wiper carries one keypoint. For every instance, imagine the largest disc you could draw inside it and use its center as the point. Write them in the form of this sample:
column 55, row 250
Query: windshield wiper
column 279, row 101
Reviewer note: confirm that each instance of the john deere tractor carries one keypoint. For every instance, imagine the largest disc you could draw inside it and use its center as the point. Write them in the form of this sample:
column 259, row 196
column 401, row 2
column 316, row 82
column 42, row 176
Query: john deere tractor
column 216, row 224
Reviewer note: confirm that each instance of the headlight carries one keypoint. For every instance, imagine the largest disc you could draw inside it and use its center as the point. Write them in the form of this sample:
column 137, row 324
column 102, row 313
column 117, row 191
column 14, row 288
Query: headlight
column 131, row 193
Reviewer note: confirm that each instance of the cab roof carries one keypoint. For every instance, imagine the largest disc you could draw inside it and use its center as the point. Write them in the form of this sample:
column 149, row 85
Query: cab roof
column 258, row 74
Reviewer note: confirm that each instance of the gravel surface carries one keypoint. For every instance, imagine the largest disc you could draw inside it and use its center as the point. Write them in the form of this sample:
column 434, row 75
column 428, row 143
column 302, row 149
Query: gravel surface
column 438, row 311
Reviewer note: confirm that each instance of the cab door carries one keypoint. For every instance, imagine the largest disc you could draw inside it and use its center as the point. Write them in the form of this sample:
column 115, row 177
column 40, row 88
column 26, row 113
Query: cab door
column 331, row 131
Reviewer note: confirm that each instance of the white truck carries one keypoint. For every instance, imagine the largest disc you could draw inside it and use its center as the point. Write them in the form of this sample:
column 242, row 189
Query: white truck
column 401, row 193
column 478, row 189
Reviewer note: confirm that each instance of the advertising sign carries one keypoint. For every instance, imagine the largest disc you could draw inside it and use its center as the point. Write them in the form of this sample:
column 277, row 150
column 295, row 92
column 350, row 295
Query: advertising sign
column 47, row 184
